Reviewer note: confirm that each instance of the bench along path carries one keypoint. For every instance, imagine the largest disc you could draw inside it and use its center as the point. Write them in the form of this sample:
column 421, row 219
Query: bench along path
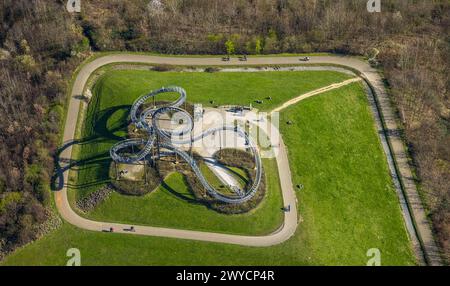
column 420, row 234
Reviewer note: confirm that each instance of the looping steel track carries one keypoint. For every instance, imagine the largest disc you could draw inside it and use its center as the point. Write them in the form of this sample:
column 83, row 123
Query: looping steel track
column 169, row 142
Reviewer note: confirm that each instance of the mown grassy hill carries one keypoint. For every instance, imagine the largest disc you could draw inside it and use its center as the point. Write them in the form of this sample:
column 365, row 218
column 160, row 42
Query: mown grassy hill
column 347, row 206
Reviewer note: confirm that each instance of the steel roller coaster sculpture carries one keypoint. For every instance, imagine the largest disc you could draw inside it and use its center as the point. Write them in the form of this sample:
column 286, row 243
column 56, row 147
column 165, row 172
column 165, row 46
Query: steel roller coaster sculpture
column 163, row 142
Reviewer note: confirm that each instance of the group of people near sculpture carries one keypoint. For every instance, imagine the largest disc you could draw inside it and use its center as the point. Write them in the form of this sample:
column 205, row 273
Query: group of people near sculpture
column 163, row 141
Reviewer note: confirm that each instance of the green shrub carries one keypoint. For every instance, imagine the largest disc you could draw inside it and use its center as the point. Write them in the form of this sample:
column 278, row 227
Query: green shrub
column 162, row 68
column 7, row 198
column 150, row 182
column 212, row 69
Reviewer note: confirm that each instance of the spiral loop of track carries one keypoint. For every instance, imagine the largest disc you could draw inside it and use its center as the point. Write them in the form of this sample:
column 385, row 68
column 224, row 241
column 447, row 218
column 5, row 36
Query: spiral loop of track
column 167, row 139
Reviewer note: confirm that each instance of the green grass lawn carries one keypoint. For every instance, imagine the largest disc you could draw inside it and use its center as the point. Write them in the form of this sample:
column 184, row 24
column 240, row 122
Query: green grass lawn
column 241, row 176
column 106, row 123
column 214, row 181
column 347, row 206
column 348, row 203
column 98, row 248
column 237, row 173
column 172, row 205
column 114, row 93
column 122, row 86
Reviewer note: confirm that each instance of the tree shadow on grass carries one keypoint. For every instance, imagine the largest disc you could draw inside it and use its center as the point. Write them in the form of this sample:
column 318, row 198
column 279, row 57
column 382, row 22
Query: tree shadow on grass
column 180, row 196
column 192, row 200
column 102, row 134
column 101, row 160
column 101, row 122
column 244, row 179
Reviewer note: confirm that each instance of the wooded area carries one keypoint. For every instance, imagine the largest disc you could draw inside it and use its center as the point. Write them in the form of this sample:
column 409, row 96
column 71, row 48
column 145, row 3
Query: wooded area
column 41, row 44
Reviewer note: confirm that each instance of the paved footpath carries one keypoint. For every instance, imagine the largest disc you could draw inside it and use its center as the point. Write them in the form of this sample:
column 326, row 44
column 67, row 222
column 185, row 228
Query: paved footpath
column 421, row 231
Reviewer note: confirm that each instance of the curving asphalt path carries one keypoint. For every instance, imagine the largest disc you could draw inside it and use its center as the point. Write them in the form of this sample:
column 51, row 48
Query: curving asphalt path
column 420, row 232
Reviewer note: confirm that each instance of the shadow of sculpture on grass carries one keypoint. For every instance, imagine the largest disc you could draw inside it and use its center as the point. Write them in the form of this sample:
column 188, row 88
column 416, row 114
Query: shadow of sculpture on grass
column 101, row 134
